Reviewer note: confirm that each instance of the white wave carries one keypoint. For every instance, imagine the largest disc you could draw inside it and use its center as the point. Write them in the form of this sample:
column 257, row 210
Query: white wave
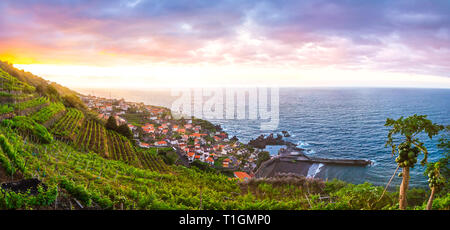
column 314, row 169
column 302, row 144
column 310, row 151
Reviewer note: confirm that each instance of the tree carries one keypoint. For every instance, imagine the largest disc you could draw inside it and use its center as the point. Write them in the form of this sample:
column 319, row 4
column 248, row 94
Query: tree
column 409, row 146
column 202, row 166
column 262, row 156
column 111, row 123
column 438, row 172
column 74, row 101
column 125, row 131
column 52, row 93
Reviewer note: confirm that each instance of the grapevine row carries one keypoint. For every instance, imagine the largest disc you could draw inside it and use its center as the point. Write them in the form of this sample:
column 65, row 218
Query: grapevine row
column 69, row 124
column 92, row 137
column 31, row 103
column 48, row 112
column 152, row 162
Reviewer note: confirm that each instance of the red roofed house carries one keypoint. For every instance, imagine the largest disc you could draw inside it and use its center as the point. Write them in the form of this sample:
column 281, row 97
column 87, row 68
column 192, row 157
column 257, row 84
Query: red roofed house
column 144, row 145
column 210, row 160
column 191, row 156
column 242, row 176
column 198, row 135
column 148, row 128
column 226, row 162
column 132, row 127
column 160, row 143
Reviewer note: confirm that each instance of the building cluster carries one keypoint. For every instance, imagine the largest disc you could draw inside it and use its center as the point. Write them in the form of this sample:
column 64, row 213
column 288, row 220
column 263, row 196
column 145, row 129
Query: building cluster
column 188, row 139
column 107, row 107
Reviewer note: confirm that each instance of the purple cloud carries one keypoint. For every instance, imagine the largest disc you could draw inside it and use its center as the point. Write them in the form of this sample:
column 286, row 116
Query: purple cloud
column 403, row 36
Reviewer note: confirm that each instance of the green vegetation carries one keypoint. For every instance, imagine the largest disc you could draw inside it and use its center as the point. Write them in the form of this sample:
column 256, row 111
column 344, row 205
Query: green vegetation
column 9, row 83
column 262, row 156
column 69, row 125
column 123, row 129
column 168, row 155
column 111, row 123
column 5, row 108
column 12, row 154
column 410, row 146
column 137, row 119
column 150, row 160
column 121, row 148
column 438, row 172
column 12, row 200
column 204, row 124
column 29, row 129
column 92, row 137
column 48, row 112
column 5, row 94
column 31, row 103
column 33, row 82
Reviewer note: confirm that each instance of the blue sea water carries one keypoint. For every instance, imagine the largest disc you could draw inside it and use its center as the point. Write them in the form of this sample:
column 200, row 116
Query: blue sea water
column 337, row 123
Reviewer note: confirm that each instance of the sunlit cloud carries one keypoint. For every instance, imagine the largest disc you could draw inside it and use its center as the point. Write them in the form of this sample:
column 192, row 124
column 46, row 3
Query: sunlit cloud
column 197, row 41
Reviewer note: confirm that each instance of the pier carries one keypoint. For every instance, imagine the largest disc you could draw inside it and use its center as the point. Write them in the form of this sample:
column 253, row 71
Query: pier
column 299, row 163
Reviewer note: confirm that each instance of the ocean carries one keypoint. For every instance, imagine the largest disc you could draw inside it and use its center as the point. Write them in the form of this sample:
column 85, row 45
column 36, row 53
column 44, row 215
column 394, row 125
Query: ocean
column 343, row 123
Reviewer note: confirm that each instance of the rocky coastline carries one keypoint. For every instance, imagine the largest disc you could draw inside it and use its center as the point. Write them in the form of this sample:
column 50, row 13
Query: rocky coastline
column 262, row 141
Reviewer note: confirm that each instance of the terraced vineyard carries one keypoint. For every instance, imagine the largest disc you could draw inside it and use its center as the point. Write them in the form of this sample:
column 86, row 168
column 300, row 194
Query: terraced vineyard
column 111, row 145
column 48, row 112
column 109, row 184
column 120, row 148
column 11, row 159
column 31, row 103
column 69, row 125
column 9, row 83
column 152, row 162
column 92, row 137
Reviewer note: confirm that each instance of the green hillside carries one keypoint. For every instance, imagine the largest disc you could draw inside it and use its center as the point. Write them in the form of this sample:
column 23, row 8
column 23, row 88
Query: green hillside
column 47, row 133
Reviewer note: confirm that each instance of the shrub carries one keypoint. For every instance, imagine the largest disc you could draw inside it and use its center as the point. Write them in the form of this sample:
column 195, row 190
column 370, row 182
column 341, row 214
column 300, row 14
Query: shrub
column 361, row 197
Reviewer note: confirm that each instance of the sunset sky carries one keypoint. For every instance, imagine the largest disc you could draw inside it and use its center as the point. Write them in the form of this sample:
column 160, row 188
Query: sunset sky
column 145, row 43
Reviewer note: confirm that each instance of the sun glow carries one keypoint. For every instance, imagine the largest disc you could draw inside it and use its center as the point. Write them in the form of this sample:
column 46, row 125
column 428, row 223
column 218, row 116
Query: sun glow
column 207, row 75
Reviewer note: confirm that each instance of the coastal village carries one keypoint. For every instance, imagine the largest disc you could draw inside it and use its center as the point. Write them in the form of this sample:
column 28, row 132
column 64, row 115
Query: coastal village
column 192, row 139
